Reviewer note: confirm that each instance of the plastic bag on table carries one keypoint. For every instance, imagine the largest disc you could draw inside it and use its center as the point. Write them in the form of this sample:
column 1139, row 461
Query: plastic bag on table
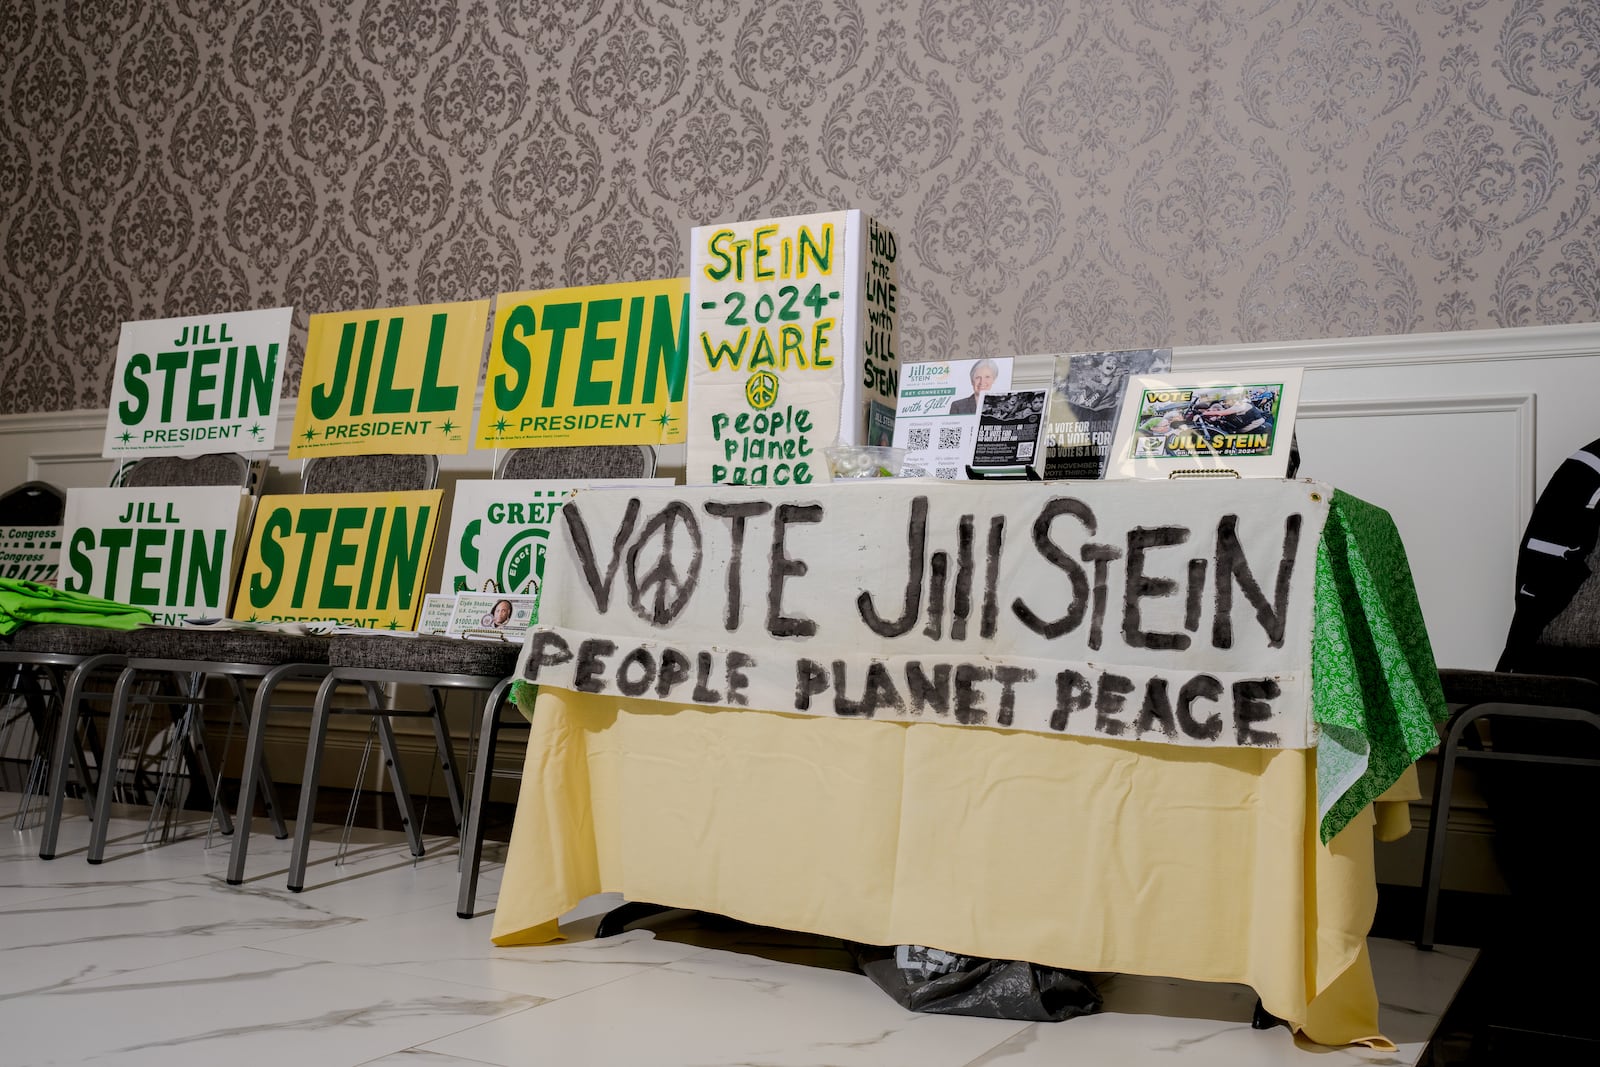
column 946, row 983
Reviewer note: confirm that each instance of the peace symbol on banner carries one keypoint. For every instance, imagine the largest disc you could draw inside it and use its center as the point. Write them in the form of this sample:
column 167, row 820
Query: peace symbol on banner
column 659, row 592
column 761, row 390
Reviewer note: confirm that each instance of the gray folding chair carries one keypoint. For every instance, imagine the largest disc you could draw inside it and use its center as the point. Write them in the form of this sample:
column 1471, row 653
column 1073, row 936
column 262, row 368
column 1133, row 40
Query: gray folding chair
column 619, row 462
column 32, row 504
column 236, row 658
column 69, row 657
column 340, row 474
column 438, row 664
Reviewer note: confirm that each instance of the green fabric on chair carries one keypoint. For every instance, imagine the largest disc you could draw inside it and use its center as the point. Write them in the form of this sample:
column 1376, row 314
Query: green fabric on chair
column 1375, row 689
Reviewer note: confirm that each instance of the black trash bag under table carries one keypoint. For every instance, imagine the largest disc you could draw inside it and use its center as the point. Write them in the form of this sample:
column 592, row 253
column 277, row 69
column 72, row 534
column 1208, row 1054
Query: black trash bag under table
column 946, row 983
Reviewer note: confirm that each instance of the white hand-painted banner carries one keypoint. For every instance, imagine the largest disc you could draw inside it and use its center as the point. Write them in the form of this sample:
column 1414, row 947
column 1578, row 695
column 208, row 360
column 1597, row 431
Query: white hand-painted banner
column 1178, row 612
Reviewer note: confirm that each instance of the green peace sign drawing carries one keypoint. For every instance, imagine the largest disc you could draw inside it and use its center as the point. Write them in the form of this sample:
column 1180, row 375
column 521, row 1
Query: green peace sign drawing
column 762, row 390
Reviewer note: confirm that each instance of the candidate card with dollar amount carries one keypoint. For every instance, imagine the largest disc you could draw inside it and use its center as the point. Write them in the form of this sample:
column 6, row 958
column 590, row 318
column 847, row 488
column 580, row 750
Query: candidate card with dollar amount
column 437, row 611
column 482, row 614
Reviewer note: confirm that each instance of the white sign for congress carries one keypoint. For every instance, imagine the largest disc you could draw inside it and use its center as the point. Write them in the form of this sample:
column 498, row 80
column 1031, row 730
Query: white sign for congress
column 1178, row 612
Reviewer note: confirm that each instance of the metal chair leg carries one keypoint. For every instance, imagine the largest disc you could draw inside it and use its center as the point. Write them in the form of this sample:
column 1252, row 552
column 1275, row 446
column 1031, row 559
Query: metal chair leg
column 447, row 756
column 252, row 774
column 402, row 792
column 483, row 772
column 116, row 726
column 316, row 739
column 195, row 716
column 67, row 748
column 263, row 774
column 1438, row 819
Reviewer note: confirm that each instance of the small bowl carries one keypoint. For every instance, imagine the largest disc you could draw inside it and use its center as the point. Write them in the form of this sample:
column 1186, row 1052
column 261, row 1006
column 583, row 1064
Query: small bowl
column 864, row 461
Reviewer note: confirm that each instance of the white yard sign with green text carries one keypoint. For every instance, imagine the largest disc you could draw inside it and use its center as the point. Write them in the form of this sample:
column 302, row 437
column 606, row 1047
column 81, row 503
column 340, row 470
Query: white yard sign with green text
column 196, row 385
column 170, row 550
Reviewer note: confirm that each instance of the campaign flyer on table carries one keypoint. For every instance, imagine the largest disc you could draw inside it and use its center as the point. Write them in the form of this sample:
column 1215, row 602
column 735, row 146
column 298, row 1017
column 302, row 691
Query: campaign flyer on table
column 1009, row 428
column 1241, row 422
column 936, row 417
column 199, row 384
column 1085, row 396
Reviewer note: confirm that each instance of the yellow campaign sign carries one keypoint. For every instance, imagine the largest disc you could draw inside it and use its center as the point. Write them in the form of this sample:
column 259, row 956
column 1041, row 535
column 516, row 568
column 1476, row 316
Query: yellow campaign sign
column 390, row 380
column 597, row 364
column 357, row 558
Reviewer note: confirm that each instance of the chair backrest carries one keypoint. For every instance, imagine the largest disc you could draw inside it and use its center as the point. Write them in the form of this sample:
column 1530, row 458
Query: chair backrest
column 33, row 504
column 1558, row 591
column 1578, row 624
column 370, row 474
column 580, row 461
column 222, row 468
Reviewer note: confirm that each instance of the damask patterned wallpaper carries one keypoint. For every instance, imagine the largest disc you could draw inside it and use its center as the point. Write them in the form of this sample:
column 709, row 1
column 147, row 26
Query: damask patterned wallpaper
column 1061, row 174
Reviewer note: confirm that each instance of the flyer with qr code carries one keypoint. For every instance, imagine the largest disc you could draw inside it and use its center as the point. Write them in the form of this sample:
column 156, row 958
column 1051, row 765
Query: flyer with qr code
column 936, row 414
column 1009, row 430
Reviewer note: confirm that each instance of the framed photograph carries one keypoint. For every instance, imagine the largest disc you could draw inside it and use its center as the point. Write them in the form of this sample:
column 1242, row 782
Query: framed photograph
column 1218, row 422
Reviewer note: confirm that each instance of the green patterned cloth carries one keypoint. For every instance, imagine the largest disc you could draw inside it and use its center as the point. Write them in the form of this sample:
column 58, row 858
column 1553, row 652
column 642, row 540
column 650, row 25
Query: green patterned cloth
column 1375, row 692
column 1375, row 689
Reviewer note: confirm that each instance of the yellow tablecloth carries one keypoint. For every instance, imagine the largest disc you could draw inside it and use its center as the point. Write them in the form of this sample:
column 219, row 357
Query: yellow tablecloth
column 1198, row 863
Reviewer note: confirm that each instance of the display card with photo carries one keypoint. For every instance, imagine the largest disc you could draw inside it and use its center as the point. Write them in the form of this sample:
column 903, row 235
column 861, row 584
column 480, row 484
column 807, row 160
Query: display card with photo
column 1220, row 421
column 936, row 417
column 486, row 613
column 1085, row 396
column 437, row 611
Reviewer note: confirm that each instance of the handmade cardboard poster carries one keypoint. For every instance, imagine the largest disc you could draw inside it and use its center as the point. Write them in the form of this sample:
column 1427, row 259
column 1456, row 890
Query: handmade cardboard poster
column 1085, row 397
column 1177, row 613
column 498, row 532
column 360, row 559
column 30, row 553
column 791, row 345
column 395, row 380
column 197, row 385
column 936, row 420
column 600, row 364
column 171, row 551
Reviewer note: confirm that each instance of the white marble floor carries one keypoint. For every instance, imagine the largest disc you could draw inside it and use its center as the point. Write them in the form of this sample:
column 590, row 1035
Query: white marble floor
column 152, row 958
